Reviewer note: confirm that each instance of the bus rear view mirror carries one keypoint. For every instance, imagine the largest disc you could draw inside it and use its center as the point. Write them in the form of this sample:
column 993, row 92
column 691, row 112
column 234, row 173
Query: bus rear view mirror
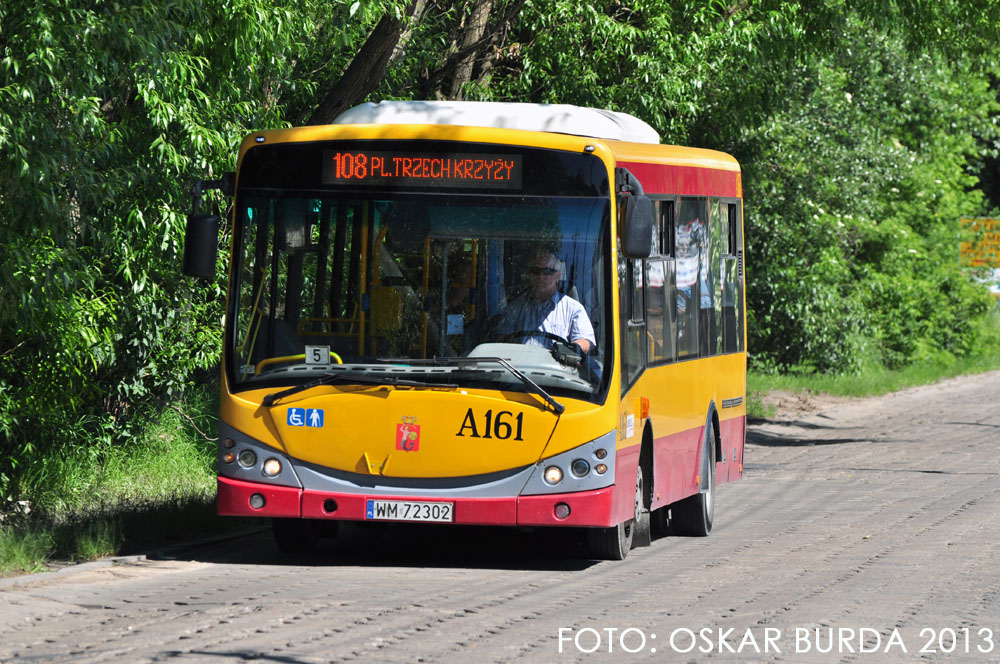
column 201, row 245
column 637, row 236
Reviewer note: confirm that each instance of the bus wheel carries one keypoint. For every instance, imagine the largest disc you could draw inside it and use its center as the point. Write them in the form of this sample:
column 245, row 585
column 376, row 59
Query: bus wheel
column 615, row 542
column 295, row 535
column 693, row 515
column 610, row 543
column 641, row 535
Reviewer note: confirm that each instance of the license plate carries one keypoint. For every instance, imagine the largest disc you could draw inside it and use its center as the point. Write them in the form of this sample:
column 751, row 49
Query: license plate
column 409, row 510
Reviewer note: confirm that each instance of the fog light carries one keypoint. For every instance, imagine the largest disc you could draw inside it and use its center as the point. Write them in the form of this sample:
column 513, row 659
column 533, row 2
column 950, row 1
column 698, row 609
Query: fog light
column 257, row 501
column 247, row 458
column 579, row 467
column 561, row 511
column 553, row 475
column 228, row 457
column 272, row 467
column 329, row 505
column 601, row 468
column 601, row 453
column 229, row 443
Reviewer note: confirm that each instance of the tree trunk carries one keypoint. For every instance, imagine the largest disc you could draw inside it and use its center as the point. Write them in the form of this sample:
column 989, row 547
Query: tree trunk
column 472, row 34
column 367, row 69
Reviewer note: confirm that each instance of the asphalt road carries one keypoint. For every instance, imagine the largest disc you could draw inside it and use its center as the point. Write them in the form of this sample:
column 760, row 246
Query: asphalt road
column 867, row 532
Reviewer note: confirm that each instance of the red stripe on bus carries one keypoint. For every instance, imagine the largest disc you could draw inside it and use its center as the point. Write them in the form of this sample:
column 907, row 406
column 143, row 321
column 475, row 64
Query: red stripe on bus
column 685, row 180
column 233, row 499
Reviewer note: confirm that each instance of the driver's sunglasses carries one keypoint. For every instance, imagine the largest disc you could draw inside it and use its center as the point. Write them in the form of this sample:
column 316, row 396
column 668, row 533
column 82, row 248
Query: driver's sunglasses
column 547, row 271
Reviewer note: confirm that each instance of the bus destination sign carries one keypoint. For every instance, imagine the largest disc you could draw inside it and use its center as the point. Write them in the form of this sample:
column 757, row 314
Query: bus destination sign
column 386, row 169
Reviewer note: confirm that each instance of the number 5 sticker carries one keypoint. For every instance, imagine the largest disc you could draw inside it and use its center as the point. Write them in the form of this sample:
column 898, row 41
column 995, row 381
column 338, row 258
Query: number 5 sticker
column 317, row 355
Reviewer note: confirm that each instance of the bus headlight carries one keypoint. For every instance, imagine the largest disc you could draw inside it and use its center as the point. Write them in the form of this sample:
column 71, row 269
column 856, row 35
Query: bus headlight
column 579, row 467
column 247, row 458
column 272, row 467
column 553, row 475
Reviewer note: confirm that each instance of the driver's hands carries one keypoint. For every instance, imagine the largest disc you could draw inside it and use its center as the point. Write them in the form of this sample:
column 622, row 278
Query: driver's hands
column 567, row 353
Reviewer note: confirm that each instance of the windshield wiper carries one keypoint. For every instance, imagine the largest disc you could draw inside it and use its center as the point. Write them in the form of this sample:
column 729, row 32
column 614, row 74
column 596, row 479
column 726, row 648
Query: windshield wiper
column 345, row 377
column 530, row 384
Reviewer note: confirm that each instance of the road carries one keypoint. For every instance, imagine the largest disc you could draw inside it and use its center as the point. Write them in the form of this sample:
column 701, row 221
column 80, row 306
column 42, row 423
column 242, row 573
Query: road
column 873, row 524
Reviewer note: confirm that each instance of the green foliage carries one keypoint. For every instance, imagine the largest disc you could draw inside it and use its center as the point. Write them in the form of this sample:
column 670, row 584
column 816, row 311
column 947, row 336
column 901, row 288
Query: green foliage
column 861, row 131
column 22, row 551
column 853, row 195
column 108, row 112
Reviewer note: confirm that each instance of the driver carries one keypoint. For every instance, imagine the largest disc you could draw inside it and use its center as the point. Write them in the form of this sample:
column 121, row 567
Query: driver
column 545, row 310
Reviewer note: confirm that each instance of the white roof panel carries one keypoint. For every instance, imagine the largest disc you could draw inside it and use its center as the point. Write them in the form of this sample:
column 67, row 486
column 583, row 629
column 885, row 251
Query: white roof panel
column 556, row 118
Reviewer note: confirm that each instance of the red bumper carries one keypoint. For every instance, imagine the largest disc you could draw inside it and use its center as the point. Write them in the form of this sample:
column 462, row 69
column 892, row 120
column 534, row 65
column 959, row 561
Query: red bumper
column 587, row 508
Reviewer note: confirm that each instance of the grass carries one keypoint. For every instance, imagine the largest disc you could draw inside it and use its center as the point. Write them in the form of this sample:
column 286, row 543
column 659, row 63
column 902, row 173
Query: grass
column 101, row 499
column 872, row 382
column 22, row 551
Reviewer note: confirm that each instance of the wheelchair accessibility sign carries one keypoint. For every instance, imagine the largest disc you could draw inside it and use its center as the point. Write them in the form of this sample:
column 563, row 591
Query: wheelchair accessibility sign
column 305, row 417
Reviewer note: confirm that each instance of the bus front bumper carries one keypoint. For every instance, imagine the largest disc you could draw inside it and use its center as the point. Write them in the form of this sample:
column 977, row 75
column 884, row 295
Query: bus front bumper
column 586, row 508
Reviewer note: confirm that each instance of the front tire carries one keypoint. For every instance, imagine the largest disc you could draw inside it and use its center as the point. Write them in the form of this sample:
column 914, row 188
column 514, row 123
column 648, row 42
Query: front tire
column 615, row 542
column 612, row 543
column 694, row 515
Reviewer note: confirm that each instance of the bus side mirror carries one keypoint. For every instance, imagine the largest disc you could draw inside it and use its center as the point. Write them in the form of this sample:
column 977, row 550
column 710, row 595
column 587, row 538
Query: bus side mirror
column 201, row 245
column 637, row 235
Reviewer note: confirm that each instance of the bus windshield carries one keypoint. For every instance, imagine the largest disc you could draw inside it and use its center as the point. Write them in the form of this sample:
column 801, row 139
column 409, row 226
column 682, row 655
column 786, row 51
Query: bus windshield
column 372, row 285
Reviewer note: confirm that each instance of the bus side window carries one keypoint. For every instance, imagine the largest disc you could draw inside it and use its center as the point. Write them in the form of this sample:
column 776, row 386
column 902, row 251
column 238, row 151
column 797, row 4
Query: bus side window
column 660, row 326
column 632, row 320
column 667, row 232
column 710, row 316
column 689, row 235
column 732, row 335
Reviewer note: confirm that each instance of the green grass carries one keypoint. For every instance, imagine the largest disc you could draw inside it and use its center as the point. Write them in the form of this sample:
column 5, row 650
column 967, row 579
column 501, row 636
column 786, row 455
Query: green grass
column 105, row 498
column 22, row 551
column 872, row 382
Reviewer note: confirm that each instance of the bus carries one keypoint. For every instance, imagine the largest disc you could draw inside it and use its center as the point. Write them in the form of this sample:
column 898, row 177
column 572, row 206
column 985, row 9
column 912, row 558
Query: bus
column 378, row 363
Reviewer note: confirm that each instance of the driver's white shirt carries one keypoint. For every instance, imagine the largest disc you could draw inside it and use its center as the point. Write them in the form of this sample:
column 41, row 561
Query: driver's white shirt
column 560, row 315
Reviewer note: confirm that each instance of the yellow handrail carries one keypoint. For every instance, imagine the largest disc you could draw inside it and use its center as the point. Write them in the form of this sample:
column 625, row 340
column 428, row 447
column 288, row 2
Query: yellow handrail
column 274, row 360
column 289, row 358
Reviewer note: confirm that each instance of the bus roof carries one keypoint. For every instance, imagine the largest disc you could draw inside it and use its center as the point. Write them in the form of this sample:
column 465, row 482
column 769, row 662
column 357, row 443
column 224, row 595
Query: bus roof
column 555, row 118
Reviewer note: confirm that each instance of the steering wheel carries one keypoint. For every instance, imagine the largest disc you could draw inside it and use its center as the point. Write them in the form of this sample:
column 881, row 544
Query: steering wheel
column 534, row 333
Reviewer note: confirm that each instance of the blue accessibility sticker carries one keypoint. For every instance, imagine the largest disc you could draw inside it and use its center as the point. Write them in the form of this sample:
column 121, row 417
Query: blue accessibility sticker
column 305, row 417
column 296, row 417
column 314, row 417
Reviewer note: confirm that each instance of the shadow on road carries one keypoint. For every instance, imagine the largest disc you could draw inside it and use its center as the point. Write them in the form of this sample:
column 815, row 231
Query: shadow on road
column 406, row 545
column 771, row 439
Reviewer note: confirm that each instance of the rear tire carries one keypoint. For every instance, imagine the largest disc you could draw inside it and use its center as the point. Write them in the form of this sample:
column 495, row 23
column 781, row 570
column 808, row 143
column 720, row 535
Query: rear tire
column 295, row 535
column 693, row 516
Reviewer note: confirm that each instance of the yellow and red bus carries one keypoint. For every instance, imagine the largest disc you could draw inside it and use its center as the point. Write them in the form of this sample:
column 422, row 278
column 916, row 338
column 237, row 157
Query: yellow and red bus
column 373, row 370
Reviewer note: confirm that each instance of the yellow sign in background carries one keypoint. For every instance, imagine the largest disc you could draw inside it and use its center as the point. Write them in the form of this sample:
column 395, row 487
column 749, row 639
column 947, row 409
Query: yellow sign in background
column 982, row 249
